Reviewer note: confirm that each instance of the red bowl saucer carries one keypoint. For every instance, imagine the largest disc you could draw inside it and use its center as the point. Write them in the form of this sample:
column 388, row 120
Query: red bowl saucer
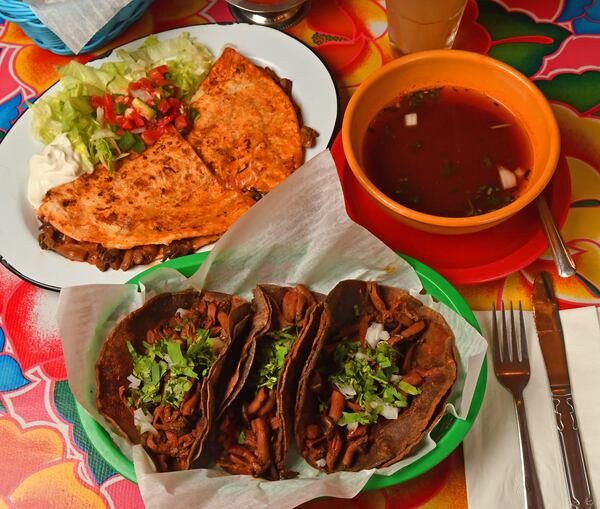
column 463, row 259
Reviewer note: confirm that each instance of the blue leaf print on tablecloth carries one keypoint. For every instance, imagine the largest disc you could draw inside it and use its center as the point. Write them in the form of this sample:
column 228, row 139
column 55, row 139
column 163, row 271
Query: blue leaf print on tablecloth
column 11, row 376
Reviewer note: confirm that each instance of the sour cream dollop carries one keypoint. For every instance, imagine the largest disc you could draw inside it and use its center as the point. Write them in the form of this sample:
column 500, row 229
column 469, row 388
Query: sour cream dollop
column 57, row 164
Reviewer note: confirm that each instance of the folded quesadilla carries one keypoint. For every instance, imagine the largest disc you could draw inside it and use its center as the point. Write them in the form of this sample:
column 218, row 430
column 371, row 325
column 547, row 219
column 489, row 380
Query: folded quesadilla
column 256, row 429
column 162, row 369
column 162, row 203
column 247, row 129
column 376, row 381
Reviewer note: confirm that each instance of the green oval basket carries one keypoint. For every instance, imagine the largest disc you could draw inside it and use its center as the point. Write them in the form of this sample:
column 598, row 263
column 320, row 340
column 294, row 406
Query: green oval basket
column 447, row 434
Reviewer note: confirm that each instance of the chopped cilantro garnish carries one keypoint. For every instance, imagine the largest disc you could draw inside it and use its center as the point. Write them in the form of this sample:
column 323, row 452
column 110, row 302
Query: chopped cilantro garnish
column 271, row 355
column 165, row 356
column 368, row 373
column 242, row 438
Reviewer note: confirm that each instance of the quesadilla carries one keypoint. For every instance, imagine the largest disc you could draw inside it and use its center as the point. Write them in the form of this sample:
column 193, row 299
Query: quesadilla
column 376, row 381
column 162, row 203
column 255, row 432
column 247, row 129
column 161, row 371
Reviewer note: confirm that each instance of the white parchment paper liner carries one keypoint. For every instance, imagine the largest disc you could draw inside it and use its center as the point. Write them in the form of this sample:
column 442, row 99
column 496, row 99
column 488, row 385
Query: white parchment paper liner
column 299, row 232
column 75, row 22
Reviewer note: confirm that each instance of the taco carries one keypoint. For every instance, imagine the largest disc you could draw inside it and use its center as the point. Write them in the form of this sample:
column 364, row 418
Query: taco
column 256, row 427
column 158, row 374
column 376, row 381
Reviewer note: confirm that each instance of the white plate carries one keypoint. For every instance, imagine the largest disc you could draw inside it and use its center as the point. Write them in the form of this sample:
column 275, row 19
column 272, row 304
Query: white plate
column 313, row 90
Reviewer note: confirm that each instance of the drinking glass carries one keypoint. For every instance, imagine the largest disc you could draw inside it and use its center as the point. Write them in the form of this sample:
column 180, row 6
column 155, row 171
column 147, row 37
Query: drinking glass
column 417, row 25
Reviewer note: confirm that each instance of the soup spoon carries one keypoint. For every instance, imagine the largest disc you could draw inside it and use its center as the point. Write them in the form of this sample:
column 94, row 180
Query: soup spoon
column 565, row 266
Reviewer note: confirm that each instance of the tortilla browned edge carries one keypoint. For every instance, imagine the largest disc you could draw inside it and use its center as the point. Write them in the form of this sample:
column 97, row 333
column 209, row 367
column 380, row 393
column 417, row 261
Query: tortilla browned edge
column 115, row 364
column 267, row 317
column 391, row 440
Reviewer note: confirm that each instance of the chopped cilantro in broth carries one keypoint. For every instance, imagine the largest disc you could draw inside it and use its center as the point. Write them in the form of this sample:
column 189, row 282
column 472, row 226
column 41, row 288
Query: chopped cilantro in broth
column 441, row 151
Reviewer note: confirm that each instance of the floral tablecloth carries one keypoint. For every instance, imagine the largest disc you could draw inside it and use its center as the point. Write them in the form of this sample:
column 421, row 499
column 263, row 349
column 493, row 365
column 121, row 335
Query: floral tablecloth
column 46, row 459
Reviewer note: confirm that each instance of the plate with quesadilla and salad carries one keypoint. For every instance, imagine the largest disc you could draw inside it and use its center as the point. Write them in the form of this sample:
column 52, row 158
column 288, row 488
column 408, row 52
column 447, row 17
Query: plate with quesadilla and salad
column 154, row 151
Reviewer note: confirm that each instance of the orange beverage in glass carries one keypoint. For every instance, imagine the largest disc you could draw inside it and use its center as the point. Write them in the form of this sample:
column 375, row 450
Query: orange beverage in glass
column 417, row 25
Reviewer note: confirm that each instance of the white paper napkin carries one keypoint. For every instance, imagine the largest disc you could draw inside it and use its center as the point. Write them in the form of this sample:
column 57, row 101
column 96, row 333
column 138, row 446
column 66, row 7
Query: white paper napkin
column 492, row 454
column 76, row 21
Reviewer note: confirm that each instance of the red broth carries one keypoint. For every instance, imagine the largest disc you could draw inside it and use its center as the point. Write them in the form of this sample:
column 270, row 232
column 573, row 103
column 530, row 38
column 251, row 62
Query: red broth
column 449, row 162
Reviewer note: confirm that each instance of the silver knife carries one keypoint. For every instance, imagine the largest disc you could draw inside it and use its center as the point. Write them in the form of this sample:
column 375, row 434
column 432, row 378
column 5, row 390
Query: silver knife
column 550, row 333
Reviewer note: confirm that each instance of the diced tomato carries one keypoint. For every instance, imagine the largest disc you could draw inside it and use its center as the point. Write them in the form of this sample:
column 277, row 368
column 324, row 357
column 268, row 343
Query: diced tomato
column 109, row 108
column 157, row 75
column 125, row 123
column 123, row 99
column 143, row 83
column 163, row 69
column 120, row 132
column 175, row 104
column 149, row 136
column 132, row 115
column 96, row 101
column 163, row 106
column 181, row 122
column 166, row 120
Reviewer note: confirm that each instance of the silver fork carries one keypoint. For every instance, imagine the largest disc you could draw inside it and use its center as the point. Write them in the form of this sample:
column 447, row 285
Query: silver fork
column 512, row 371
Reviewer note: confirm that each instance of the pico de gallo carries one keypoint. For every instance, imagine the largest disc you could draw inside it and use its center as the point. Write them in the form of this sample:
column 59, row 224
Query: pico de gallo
column 124, row 105
column 139, row 117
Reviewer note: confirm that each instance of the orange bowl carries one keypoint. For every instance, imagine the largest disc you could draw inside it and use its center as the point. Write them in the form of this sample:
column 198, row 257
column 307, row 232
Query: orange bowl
column 429, row 69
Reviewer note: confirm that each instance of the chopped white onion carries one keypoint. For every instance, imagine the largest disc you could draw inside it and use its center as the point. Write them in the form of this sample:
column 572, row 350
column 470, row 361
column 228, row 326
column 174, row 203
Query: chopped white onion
column 361, row 356
column 507, row 178
column 372, row 335
column 142, row 94
column 389, row 412
column 410, row 119
column 321, row 463
column 395, row 378
column 134, row 382
column 169, row 360
column 347, row 390
column 99, row 114
column 138, row 130
column 180, row 311
column 520, row 173
column 378, row 402
column 143, row 421
column 375, row 334
column 352, row 426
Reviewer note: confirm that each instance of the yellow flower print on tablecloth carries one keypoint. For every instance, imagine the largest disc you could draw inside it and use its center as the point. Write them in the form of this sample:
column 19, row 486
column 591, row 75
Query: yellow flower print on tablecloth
column 35, row 473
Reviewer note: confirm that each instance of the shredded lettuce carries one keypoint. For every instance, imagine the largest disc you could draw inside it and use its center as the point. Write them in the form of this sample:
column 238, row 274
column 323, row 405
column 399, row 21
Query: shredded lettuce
column 68, row 110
